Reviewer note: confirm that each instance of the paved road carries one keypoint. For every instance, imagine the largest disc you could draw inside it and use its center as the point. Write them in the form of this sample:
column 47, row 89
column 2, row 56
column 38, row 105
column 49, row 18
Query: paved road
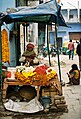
column 72, row 95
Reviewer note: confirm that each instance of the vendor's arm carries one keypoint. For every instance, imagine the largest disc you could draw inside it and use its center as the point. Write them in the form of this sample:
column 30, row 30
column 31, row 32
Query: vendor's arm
column 72, row 74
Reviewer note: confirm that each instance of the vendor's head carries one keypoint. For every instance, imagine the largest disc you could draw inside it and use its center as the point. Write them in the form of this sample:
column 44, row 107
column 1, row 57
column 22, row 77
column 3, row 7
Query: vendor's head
column 30, row 46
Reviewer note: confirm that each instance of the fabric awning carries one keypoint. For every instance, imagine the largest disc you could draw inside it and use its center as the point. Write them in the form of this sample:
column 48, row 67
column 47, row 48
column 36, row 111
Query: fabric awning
column 43, row 13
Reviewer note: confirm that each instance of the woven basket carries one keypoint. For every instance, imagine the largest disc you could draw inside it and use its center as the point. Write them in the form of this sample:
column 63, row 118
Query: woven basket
column 27, row 92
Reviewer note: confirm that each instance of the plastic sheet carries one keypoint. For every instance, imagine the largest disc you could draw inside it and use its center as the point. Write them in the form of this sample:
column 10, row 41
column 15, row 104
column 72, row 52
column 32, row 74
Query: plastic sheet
column 26, row 107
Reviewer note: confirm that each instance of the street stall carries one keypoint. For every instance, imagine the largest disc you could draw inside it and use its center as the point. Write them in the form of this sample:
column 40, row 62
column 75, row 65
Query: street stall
column 44, row 78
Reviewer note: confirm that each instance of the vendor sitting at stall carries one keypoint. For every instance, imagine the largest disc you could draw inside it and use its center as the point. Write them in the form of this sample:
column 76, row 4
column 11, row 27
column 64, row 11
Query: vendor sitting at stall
column 74, row 75
column 29, row 54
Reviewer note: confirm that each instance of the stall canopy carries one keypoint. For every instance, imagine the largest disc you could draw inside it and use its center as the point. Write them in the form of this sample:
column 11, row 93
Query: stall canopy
column 46, row 13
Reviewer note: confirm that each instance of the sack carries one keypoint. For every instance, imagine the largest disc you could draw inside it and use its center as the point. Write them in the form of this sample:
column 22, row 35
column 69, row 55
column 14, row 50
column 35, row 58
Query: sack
column 22, row 59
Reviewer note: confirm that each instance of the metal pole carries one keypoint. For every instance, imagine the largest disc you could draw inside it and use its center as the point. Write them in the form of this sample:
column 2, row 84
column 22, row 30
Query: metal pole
column 58, row 51
column 24, row 36
column 78, row 12
column 1, row 58
column 48, row 47
column 56, row 25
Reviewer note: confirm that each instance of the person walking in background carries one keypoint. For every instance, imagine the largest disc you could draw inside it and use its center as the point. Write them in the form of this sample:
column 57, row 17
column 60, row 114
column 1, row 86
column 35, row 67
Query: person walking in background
column 78, row 51
column 71, row 49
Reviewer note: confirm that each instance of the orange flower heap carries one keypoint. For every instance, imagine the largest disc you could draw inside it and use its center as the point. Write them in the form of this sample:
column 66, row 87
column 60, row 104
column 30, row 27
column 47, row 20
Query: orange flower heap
column 40, row 76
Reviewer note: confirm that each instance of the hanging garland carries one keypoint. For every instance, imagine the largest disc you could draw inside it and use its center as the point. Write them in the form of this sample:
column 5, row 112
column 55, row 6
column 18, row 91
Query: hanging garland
column 5, row 47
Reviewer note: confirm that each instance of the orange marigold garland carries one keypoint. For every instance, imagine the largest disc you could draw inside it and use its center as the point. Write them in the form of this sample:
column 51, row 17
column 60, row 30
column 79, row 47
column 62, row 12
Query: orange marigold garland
column 5, row 47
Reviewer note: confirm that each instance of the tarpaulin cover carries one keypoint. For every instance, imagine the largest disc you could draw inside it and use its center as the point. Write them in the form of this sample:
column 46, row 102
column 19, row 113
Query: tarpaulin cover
column 46, row 13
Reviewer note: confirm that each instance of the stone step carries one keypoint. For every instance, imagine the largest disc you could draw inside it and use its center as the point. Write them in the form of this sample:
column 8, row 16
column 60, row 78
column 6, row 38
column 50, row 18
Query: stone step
column 58, row 97
column 2, row 108
column 61, row 106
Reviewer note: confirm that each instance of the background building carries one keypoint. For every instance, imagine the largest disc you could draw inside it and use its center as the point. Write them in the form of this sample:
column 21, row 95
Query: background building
column 71, row 11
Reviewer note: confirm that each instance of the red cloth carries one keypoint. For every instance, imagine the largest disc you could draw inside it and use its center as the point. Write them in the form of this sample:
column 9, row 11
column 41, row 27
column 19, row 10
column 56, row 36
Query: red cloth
column 41, row 69
column 31, row 56
column 30, row 45
column 71, row 46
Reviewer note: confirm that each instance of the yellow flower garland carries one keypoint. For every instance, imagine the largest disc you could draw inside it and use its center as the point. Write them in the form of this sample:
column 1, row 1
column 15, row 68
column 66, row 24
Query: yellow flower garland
column 34, row 78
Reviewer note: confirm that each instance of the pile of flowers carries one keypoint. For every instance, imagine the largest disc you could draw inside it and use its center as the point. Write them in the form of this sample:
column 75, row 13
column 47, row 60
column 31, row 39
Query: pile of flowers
column 41, row 75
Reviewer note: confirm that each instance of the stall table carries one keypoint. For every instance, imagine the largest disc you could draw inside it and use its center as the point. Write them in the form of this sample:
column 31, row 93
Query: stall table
column 14, row 81
column 8, row 82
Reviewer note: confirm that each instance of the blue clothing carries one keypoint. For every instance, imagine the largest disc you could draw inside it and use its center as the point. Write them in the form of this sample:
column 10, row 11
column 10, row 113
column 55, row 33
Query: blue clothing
column 71, row 53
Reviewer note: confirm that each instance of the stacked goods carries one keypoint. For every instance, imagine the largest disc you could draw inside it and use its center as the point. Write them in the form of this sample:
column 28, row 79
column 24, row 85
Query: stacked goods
column 55, row 93
column 53, row 90
column 5, row 47
column 60, row 103
column 50, row 91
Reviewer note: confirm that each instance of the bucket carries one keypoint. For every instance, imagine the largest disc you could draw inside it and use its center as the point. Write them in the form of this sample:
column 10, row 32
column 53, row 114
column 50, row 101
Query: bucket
column 46, row 101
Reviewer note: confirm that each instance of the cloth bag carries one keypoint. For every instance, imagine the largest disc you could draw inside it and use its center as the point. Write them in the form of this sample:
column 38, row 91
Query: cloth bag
column 22, row 59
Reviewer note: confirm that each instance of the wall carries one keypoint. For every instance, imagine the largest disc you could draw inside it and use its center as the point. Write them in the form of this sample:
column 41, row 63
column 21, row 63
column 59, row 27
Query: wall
column 63, row 32
column 4, row 4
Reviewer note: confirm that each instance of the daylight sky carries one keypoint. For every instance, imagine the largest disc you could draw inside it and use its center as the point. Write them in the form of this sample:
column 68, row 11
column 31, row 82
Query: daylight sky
column 70, row 3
